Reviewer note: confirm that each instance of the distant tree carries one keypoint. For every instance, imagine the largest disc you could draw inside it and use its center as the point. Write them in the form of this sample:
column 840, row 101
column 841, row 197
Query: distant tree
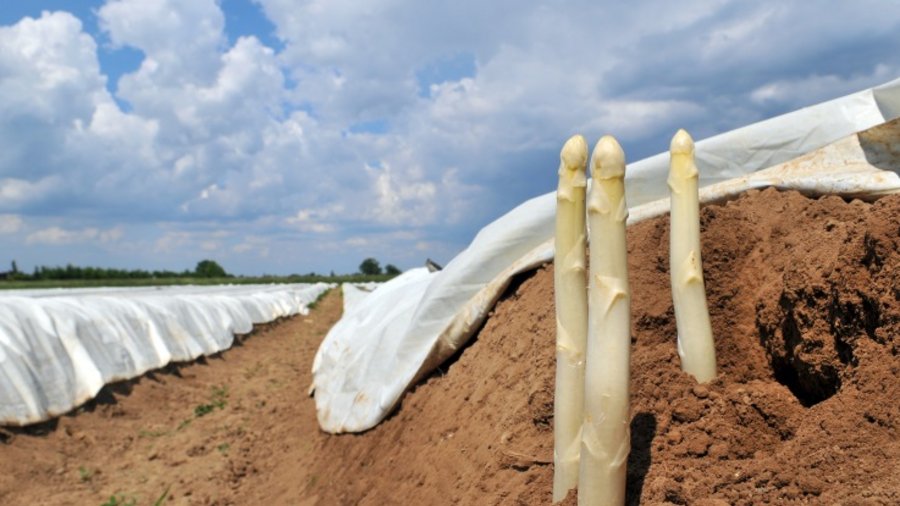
column 209, row 269
column 15, row 268
column 391, row 269
column 370, row 267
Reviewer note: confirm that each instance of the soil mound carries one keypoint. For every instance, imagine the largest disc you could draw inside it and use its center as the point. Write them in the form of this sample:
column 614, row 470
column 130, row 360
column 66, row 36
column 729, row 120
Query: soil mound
column 804, row 296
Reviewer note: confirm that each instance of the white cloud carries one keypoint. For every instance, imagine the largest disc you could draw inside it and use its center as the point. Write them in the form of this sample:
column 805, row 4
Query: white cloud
column 181, row 39
column 56, row 236
column 210, row 246
column 255, row 245
column 10, row 224
column 172, row 241
column 821, row 87
column 19, row 192
column 178, row 241
column 49, row 79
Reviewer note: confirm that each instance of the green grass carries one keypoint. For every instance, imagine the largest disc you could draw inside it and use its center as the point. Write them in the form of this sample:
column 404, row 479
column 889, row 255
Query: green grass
column 152, row 433
column 217, row 400
column 96, row 283
column 120, row 500
column 85, row 474
column 162, row 498
column 203, row 410
column 313, row 304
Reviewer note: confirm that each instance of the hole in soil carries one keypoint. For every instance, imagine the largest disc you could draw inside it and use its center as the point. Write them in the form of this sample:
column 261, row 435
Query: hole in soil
column 810, row 338
column 808, row 393
column 811, row 383
column 872, row 317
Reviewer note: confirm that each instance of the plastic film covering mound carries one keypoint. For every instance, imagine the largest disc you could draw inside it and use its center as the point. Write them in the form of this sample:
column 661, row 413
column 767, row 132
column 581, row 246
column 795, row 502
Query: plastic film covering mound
column 410, row 325
column 59, row 347
column 354, row 293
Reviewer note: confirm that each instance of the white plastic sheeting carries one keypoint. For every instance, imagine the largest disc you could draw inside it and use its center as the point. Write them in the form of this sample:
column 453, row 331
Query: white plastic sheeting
column 382, row 321
column 354, row 293
column 375, row 364
column 59, row 347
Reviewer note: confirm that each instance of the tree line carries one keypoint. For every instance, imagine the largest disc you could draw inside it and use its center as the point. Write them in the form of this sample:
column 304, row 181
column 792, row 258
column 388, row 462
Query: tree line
column 372, row 267
column 204, row 269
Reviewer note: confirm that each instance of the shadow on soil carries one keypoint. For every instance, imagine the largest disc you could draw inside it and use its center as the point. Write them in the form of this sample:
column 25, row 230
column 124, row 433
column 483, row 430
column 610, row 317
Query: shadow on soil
column 643, row 430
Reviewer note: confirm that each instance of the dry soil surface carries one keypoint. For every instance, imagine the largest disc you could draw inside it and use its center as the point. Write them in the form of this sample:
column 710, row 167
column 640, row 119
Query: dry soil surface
column 804, row 296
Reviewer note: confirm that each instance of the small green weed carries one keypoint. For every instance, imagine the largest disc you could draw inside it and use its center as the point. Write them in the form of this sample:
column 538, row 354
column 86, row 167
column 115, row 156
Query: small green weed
column 203, row 410
column 312, row 305
column 223, row 448
column 219, row 394
column 152, row 433
column 251, row 372
column 120, row 500
column 217, row 400
column 85, row 474
column 163, row 496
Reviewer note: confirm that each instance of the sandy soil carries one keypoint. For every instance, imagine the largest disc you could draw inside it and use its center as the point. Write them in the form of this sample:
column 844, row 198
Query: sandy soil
column 805, row 306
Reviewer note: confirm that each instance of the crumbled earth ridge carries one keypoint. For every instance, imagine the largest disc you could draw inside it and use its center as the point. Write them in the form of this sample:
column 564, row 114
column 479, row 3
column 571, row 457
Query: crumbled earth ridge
column 804, row 296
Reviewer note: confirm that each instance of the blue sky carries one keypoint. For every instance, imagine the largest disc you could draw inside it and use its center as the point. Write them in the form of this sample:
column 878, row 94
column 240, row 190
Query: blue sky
column 284, row 136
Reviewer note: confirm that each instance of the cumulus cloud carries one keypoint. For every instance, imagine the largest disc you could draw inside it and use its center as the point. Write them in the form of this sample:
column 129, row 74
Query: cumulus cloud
column 49, row 81
column 10, row 224
column 56, row 236
column 821, row 86
column 252, row 244
column 181, row 40
column 387, row 127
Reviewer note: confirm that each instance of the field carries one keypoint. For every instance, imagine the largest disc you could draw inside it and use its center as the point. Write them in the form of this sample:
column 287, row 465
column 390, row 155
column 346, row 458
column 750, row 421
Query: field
column 806, row 313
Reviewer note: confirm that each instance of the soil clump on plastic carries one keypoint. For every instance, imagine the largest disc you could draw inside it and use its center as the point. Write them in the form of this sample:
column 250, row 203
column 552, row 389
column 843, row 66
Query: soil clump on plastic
column 804, row 296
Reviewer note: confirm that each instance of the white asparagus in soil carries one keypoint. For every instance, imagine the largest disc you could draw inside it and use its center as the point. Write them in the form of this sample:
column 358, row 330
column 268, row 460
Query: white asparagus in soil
column 606, row 439
column 570, row 289
column 695, row 340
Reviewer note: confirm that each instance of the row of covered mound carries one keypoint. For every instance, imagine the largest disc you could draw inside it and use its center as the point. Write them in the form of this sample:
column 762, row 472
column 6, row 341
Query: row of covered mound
column 59, row 348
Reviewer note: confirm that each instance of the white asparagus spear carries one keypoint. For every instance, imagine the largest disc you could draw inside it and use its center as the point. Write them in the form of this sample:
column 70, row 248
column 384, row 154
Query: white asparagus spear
column 570, row 288
column 606, row 439
column 695, row 340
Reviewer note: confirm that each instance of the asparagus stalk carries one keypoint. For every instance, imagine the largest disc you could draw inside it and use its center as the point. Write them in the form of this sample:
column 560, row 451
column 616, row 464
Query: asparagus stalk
column 695, row 340
column 570, row 288
column 606, row 441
